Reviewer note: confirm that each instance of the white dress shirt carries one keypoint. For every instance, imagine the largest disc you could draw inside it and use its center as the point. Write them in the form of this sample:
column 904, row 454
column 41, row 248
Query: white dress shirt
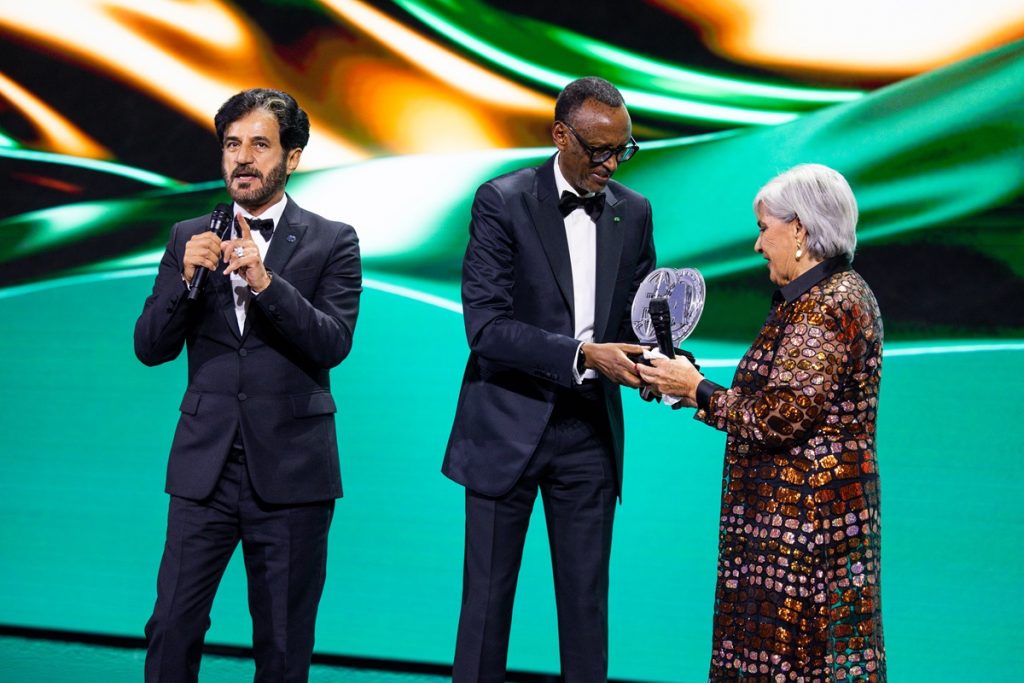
column 242, row 294
column 581, row 233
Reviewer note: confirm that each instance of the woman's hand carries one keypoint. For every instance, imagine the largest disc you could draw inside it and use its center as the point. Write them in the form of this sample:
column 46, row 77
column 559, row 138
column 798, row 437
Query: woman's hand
column 674, row 377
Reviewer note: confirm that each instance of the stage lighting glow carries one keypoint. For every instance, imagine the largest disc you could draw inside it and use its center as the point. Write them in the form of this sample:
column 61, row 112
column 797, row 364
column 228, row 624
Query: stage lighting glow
column 677, row 107
column 193, row 56
column 143, row 176
column 873, row 38
column 411, row 112
column 414, row 294
column 56, row 133
column 678, row 98
column 434, row 184
column 509, row 61
column 50, row 227
column 689, row 82
column 439, row 62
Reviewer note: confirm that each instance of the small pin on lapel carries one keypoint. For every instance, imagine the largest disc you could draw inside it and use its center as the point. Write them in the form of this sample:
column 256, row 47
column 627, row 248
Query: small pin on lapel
column 290, row 238
column 616, row 219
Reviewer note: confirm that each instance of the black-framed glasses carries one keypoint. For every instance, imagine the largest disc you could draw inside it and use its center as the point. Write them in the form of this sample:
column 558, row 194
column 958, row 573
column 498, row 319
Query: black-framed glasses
column 599, row 155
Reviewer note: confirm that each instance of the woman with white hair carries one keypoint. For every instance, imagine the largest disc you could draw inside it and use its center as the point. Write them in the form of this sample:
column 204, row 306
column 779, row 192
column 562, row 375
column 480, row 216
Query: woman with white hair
column 799, row 544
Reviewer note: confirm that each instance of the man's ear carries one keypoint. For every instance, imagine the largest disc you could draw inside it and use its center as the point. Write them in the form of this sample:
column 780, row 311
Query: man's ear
column 560, row 135
column 292, row 161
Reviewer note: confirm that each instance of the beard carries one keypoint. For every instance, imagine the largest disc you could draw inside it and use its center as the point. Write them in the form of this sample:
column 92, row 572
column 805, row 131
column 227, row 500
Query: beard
column 257, row 194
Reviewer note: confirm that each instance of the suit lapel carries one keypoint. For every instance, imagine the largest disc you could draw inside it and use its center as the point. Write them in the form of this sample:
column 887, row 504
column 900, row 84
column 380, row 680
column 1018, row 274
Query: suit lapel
column 543, row 208
column 287, row 237
column 610, row 234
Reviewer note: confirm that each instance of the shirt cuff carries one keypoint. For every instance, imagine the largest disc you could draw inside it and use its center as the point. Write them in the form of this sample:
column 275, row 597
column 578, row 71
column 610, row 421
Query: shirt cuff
column 704, row 391
column 270, row 274
column 577, row 365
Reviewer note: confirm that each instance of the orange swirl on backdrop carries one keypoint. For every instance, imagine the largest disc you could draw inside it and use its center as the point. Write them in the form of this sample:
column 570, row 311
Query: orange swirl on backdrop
column 428, row 98
column 191, row 56
column 56, row 133
column 369, row 84
column 869, row 39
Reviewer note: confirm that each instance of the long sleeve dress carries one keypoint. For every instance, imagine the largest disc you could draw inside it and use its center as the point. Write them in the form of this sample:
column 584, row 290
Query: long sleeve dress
column 798, row 597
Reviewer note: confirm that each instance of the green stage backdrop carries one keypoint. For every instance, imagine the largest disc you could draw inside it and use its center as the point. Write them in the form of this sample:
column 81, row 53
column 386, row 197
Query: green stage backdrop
column 97, row 164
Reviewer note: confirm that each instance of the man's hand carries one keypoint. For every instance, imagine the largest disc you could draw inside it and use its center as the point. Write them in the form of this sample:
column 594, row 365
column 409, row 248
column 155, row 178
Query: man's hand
column 243, row 256
column 612, row 362
column 202, row 251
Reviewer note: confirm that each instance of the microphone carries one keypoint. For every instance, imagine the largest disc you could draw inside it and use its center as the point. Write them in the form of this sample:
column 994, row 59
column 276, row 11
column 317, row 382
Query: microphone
column 220, row 223
column 661, row 321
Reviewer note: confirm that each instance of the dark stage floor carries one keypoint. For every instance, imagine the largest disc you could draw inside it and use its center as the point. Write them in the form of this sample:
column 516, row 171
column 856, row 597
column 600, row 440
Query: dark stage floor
column 29, row 660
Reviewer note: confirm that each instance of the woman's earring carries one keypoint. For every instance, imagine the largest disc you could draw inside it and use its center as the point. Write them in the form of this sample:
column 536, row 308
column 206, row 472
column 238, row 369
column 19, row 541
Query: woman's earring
column 799, row 251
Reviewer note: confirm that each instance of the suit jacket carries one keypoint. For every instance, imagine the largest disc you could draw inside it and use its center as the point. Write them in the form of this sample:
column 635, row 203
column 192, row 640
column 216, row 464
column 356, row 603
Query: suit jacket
column 517, row 298
column 270, row 381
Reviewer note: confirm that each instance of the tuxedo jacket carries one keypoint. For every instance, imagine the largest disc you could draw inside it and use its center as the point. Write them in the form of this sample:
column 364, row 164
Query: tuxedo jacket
column 517, row 297
column 270, row 381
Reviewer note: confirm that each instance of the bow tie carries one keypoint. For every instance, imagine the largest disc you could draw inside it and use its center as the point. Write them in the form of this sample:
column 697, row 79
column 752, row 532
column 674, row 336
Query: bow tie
column 264, row 225
column 593, row 205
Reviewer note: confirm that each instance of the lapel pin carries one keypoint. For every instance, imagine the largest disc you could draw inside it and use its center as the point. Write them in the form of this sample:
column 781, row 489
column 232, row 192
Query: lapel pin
column 616, row 219
column 290, row 238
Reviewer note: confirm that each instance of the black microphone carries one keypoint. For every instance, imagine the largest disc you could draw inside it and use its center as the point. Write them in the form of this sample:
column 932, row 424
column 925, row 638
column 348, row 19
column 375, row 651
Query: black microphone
column 661, row 321
column 220, row 223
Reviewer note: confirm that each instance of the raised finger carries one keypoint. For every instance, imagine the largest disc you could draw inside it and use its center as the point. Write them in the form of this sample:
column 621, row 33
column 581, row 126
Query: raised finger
column 243, row 225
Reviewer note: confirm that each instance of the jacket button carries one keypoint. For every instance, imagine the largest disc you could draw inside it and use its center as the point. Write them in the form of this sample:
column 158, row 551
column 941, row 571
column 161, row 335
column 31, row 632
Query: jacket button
column 243, row 353
column 242, row 396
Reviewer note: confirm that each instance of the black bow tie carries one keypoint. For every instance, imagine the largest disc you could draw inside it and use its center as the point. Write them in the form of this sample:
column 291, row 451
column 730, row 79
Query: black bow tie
column 264, row 225
column 593, row 205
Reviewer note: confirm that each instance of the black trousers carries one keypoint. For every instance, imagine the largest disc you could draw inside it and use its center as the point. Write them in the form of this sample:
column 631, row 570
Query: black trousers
column 285, row 551
column 572, row 468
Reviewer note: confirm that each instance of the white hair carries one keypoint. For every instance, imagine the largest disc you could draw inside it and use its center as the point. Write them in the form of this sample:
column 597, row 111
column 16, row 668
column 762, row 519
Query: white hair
column 822, row 200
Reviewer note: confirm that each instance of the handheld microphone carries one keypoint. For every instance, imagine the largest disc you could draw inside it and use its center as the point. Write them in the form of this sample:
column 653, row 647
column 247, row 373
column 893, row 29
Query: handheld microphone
column 661, row 321
column 220, row 223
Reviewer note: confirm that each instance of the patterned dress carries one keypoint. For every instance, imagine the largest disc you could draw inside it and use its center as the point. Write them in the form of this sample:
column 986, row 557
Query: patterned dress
column 799, row 544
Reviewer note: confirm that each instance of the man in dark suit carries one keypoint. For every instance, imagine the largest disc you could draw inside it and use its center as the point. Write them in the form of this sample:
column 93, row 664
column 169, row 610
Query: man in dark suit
column 555, row 256
column 254, row 457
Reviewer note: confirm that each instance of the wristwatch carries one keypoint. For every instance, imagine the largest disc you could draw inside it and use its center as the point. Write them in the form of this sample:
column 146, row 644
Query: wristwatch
column 270, row 278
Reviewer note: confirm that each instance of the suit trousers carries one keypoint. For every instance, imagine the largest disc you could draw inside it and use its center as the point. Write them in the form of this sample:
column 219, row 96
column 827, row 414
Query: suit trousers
column 573, row 469
column 285, row 552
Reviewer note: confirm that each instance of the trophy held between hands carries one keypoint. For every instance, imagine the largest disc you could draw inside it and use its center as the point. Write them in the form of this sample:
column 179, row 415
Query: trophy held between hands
column 666, row 309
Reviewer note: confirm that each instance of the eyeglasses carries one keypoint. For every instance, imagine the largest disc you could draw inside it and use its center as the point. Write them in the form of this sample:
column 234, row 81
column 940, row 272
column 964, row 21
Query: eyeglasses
column 599, row 155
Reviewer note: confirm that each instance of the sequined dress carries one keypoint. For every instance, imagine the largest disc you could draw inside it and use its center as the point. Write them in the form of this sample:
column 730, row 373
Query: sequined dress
column 799, row 543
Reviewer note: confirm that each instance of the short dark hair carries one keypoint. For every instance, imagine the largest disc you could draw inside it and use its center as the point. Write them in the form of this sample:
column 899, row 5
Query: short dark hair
column 579, row 91
column 292, row 122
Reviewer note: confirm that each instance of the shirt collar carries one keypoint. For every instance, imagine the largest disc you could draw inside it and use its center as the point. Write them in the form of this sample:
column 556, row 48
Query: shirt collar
column 272, row 212
column 562, row 185
column 798, row 287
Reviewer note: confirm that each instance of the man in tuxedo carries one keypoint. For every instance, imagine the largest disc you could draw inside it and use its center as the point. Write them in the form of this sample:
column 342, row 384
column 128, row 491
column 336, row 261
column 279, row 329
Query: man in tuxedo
column 555, row 255
column 254, row 457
